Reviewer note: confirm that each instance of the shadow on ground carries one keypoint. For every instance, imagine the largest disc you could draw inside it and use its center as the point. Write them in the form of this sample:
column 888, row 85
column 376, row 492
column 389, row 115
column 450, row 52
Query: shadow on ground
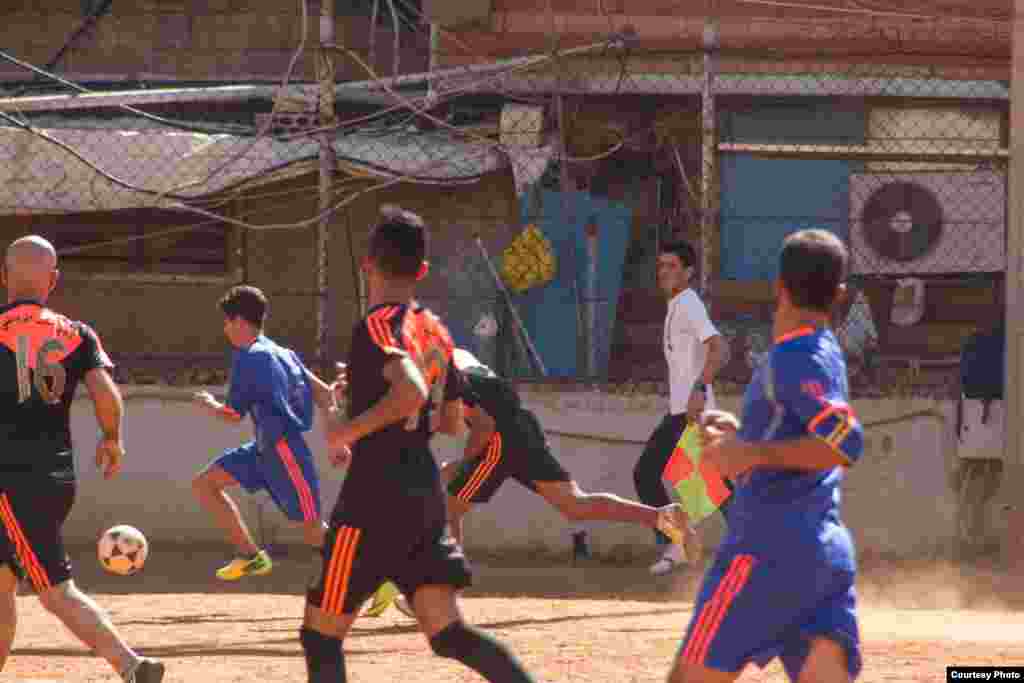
column 938, row 584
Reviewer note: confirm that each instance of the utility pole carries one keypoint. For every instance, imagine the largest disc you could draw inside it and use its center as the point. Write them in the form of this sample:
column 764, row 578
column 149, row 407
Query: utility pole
column 326, row 78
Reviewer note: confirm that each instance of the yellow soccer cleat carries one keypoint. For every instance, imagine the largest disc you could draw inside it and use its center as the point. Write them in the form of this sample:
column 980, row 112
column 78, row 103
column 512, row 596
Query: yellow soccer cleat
column 382, row 599
column 257, row 565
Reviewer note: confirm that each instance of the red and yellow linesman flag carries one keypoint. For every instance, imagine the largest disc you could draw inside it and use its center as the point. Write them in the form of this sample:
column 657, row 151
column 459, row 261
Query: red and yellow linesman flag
column 696, row 485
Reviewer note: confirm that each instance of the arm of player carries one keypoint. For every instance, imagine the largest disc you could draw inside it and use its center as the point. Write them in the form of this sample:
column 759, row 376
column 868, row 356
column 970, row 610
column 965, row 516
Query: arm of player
column 109, row 407
column 481, row 429
column 242, row 393
column 221, row 411
column 809, row 453
column 715, row 355
column 835, row 437
column 323, row 397
column 700, row 324
column 405, row 397
column 806, row 389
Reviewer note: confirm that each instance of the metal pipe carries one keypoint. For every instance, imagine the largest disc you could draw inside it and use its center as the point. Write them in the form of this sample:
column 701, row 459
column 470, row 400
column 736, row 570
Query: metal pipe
column 709, row 157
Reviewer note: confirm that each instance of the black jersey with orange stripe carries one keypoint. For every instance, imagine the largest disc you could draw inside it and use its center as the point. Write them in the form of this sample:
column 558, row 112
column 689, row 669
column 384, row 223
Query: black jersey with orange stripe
column 43, row 358
column 397, row 456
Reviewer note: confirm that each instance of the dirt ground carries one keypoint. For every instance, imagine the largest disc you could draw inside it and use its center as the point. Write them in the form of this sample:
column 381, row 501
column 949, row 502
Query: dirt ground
column 597, row 623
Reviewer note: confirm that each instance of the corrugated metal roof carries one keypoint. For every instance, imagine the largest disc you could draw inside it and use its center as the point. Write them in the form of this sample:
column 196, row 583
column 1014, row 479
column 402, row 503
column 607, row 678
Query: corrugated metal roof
column 774, row 85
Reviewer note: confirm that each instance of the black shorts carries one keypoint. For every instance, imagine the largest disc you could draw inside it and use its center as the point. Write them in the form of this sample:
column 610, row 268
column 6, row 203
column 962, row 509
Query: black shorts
column 521, row 453
column 32, row 513
column 409, row 546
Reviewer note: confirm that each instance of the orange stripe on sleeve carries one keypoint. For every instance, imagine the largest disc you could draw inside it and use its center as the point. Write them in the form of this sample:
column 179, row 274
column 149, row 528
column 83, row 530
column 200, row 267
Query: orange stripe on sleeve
column 376, row 333
column 832, row 409
column 380, row 330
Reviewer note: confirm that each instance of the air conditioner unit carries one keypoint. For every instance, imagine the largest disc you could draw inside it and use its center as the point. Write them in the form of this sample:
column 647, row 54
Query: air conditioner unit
column 927, row 223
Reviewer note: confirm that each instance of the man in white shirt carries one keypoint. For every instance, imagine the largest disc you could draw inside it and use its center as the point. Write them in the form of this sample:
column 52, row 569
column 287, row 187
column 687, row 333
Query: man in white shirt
column 693, row 349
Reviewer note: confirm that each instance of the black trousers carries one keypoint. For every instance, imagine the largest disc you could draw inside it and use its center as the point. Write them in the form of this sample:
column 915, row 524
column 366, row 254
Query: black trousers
column 648, row 469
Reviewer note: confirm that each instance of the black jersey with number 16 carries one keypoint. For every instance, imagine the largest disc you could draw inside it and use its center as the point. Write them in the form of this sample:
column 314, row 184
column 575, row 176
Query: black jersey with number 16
column 43, row 358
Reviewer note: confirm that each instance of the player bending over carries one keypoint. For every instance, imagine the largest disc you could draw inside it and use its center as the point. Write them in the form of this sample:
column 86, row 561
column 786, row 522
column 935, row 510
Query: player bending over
column 506, row 441
column 270, row 383
column 389, row 520
column 782, row 582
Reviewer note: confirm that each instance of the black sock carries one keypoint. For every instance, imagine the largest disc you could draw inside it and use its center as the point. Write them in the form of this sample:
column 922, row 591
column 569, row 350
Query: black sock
column 325, row 662
column 480, row 652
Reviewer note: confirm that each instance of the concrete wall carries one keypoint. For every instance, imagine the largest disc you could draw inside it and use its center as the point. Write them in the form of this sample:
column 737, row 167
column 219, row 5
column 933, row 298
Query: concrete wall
column 195, row 40
column 897, row 500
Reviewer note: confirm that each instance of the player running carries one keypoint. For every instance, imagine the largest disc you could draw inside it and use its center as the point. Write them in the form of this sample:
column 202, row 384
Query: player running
column 270, row 383
column 389, row 520
column 782, row 583
column 43, row 359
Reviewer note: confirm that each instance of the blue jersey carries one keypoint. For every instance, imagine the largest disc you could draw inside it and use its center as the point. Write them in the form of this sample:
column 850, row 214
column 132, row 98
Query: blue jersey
column 800, row 389
column 269, row 383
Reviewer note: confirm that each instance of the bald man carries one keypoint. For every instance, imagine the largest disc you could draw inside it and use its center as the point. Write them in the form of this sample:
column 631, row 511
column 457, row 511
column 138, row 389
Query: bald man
column 43, row 357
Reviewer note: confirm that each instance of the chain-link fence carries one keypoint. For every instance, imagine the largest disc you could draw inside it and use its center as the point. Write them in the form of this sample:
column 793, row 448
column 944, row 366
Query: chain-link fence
column 604, row 149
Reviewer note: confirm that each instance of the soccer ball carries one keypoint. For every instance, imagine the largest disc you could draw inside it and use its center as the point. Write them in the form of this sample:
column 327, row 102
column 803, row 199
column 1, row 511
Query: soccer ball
column 122, row 550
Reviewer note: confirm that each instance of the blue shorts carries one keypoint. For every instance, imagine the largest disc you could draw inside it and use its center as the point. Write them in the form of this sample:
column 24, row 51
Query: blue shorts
column 287, row 473
column 754, row 608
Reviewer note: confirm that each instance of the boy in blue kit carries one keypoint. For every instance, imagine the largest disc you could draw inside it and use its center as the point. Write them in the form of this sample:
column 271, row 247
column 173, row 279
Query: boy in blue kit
column 270, row 383
column 782, row 583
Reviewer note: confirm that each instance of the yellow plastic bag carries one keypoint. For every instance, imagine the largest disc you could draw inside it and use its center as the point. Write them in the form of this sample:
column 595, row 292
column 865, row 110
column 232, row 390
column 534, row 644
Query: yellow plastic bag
column 529, row 261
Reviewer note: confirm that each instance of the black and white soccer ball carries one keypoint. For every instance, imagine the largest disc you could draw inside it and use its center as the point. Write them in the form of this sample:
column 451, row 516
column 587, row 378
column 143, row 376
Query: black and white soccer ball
column 122, row 550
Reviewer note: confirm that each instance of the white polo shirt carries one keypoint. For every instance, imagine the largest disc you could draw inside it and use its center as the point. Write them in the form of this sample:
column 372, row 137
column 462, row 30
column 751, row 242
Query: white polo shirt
column 687, row 327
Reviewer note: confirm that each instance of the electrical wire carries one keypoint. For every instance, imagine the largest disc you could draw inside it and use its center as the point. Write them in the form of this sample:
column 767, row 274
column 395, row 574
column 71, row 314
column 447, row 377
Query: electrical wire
column 171, row 123
column 268, row 124
column 78, row 155
column 861, row 10
column 398, row 44
column 444, row 124
column 170, row 193
column 70, row 251
column 404, row 103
